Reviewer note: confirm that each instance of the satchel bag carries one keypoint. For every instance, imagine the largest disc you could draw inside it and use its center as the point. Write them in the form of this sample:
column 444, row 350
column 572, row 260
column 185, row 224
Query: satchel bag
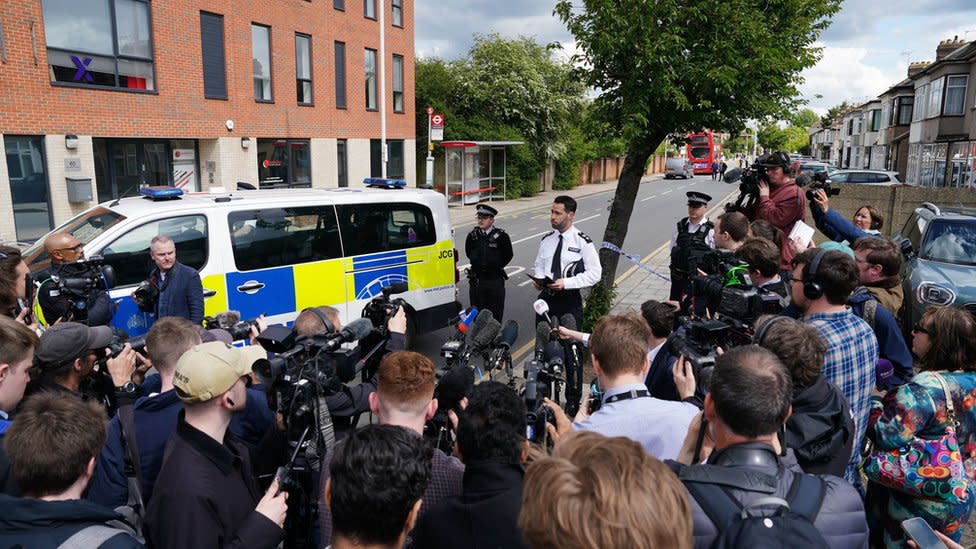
column 926, row 468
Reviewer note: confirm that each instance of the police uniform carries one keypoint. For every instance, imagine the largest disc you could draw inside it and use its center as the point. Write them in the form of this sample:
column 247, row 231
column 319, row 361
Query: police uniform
column 688, row 238
column 578, row 266
column 489, row 253
column 52, row 303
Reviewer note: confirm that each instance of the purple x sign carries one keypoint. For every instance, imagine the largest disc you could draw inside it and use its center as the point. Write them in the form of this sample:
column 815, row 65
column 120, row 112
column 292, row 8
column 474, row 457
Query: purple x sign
column 82, row 71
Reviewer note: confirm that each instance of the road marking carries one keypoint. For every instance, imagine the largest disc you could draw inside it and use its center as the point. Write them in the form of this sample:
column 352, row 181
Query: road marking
column 648, row 198
column 667, row 191
column 526, row 283
column 515, row 272
column 529, row 237
column 586, row 218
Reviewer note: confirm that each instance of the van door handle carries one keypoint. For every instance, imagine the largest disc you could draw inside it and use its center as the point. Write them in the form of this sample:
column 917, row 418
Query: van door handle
column 207, row 292
column 250, row 286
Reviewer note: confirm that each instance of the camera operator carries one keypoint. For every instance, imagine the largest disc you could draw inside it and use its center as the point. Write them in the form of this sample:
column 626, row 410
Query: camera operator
column 404, row 397
column 206, row 494
column 618, row 349
column 867, row 219
column 737, row 433
column 16, row 288
column 781, row 201
column 16, row 355
column 66, row 359
column 53, row 301
column 762, row 257
column 346, row 404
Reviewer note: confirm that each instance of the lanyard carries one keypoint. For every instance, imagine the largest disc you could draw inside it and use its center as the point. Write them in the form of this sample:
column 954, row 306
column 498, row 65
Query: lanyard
column 639, row 393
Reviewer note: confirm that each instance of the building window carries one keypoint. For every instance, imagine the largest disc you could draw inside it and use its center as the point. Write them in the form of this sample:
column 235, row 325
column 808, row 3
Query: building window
column 261, row 54
column 875, row 120
column 28, row 186
column 340, row 75
column 886, row 113
column 935, row 98
column 212, row 46
column 100, row 43
column 397, row 7
column 342, row 163
column 394, row 160
column 284, row 163
column 905, row 104
column 955, row 94
column 397, row 83
column 339, row 5
column 369, row 9
column 369, row 68
column 303, row 68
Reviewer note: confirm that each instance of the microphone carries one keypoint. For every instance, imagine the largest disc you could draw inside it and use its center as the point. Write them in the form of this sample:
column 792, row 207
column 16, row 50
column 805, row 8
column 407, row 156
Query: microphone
column 508, row 336
column 733, row 175
column 486, row 333
column 542, row 309
column 802, row 180
column 542, row 332
column 568, row 320
column 396, row 288
column 454, row 385
column 480, row 322
column 465, row 321
column 354, row 331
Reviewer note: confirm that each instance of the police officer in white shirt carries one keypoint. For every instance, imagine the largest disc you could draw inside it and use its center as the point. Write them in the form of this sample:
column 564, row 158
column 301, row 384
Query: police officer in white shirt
column 569, row 258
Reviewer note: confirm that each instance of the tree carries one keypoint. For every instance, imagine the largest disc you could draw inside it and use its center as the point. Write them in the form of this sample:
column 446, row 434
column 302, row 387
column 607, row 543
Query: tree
column 667, row 67
column 804, row 118
column 832, row 113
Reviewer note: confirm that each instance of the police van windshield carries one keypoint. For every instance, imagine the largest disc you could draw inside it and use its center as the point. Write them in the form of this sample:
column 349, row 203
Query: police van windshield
column 84, row 226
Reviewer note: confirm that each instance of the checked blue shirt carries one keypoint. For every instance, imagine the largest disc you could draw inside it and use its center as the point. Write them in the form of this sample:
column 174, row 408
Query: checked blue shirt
column 852, row 354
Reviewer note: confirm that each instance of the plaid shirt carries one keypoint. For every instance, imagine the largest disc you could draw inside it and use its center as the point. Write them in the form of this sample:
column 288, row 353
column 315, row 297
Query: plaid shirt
column 852, row 354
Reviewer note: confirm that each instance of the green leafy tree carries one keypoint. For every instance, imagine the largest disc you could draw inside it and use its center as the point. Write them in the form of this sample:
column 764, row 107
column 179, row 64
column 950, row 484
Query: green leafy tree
column 667, row 67
column 833, row 112
column 804, row 118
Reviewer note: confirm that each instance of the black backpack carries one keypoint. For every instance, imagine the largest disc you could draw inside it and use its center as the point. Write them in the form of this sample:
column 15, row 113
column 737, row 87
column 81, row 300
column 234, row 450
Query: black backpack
column 789, row 527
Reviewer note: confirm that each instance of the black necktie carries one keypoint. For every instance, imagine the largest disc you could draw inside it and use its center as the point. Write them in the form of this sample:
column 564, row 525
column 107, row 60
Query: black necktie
column 557, row 260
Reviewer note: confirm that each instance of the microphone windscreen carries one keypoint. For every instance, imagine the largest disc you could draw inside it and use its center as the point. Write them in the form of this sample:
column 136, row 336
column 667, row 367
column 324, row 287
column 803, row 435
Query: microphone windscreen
column 542, row 331
column 454, row 385
column 555, row 349
column 803, row 180
column 358, row 329
column 733, row 175
column 568, row 321
column 508, row 336
column 398, row 287
column 483, row 337
column 541, row 307
column 480, row 322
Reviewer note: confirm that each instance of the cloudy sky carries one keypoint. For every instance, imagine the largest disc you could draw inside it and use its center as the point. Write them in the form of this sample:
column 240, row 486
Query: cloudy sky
column 866, row 49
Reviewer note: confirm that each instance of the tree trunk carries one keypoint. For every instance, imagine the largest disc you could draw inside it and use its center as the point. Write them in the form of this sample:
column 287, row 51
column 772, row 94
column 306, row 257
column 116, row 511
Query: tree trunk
column 638, row 151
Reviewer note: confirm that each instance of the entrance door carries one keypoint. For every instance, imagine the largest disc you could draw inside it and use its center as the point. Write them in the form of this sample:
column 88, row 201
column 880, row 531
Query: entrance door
column 123, row 166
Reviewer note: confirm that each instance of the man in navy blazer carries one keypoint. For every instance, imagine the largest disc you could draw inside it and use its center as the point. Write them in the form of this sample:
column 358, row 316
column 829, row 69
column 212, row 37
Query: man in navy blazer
column 180, row 289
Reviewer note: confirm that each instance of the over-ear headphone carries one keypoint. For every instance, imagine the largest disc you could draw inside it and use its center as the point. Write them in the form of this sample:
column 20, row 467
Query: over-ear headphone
column 329, row 328
column 811, row 288
column 761, row 333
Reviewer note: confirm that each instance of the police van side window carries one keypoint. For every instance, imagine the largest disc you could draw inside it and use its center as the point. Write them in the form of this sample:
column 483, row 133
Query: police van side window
column 371, row 228
column 129, row 254
column 275, row 237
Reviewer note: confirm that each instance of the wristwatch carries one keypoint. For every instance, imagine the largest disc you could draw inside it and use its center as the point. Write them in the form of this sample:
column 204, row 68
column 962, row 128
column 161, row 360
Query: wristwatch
column 129, row 388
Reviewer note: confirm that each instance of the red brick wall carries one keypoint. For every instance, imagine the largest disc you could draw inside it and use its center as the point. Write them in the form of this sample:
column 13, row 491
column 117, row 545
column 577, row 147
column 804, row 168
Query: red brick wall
column 30, row 104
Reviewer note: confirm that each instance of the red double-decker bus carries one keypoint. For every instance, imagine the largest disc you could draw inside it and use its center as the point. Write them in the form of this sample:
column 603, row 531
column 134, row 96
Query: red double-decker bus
column 702, row 150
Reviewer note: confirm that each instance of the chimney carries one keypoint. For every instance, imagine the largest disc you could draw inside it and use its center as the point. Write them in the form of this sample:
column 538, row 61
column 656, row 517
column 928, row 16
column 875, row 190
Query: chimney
column 948, row 46
column 917, row 67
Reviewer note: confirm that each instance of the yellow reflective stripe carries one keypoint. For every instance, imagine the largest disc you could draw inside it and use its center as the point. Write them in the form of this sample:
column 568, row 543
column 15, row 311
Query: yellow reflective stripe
column 431, row 266
column 218, row 303
column 319, row 283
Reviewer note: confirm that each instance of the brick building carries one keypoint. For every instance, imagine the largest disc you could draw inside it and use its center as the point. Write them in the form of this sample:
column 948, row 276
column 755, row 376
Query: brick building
column 99, row 97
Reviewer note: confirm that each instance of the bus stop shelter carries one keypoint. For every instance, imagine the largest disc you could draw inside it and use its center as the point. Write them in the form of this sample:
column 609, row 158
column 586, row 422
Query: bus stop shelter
column 475, row 170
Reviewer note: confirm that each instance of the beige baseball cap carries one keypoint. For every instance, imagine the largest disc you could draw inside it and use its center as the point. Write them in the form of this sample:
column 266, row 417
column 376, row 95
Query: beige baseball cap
column 210, row 369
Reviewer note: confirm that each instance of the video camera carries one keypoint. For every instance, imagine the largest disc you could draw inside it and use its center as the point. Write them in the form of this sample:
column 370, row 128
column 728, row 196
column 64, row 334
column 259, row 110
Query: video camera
column 231, row 322
column 742, row 303
column 77, row 281
column 542, row 380
column 748, row 179
column 382, row 308
column 817, row 181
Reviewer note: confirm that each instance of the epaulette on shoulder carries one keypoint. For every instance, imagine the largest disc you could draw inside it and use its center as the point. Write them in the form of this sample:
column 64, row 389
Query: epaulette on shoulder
column 547, row 235
column 585, row 238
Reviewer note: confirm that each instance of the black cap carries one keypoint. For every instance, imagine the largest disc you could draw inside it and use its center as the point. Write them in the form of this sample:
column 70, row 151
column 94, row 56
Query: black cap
column 778, row 159
column 67, row 341
column 485, row 209
column 695, row 198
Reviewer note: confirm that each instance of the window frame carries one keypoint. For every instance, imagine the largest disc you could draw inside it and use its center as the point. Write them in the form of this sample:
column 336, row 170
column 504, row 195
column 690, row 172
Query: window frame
column 342, row 101
column 145, row 253
column 402, row 109
column 241, row 250
column 270, row 62
column 902, row 102
column 396, row 8
column 367, row 4
column 339, row 5
column 962, row 100
column 342, row 163
column 353, row 235
column 116, row 55
column 936, row 97
column 311, row 70
column 366, row 79
column 223, row 44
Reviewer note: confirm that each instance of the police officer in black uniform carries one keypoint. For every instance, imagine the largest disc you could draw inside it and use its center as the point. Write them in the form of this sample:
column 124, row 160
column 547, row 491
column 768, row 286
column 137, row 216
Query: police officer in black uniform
column 489, row 249
column 694, row 233
column 94, row 308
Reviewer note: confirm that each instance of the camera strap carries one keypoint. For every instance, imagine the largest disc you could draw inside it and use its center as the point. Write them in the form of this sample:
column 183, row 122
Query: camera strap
column 633, row 393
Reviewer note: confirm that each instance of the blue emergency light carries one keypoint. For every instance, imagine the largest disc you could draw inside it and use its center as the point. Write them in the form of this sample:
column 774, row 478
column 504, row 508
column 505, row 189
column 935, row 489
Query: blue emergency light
column 161, row 192
column 384, row 183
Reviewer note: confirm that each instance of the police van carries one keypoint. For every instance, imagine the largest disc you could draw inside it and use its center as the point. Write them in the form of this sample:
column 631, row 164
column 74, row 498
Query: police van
column 276, row 252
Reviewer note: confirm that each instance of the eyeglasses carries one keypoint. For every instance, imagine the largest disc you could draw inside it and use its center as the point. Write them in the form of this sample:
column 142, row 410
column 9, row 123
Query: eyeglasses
column 919, row 329
column 76, row 248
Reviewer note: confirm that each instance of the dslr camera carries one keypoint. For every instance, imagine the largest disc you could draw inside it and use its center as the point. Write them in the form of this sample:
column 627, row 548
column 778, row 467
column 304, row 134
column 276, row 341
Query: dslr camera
column 230, row 321
column 819, row 181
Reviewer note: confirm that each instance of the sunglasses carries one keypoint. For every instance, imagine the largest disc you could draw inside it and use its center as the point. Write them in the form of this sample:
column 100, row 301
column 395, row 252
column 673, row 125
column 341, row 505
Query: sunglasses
column 76, row 248
column 918, row 329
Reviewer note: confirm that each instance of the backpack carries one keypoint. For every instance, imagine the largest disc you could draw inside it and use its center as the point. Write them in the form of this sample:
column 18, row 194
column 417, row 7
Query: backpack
column 790, row 526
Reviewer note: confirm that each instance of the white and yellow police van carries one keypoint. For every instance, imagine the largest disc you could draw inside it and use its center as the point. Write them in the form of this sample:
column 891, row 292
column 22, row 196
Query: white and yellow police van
column 276, row 252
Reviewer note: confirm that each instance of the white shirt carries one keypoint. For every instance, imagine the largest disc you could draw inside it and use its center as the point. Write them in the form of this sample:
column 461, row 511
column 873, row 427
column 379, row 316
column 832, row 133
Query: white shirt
column 693, row 228
column 576, row 247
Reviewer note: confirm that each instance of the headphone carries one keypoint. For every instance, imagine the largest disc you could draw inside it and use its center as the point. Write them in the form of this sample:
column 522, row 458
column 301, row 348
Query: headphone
column 811, row 288
column 760, row 334
column 329, row 328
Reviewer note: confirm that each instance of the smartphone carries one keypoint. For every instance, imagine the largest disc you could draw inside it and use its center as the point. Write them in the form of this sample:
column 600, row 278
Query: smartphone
column 921, row 533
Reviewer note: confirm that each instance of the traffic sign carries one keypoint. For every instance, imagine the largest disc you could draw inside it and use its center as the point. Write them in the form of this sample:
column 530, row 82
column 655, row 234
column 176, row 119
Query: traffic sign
column 437, row 127
column 437, row 121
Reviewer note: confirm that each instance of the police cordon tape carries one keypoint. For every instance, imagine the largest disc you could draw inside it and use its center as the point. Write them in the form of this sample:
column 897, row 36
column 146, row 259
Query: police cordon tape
column 633, row 258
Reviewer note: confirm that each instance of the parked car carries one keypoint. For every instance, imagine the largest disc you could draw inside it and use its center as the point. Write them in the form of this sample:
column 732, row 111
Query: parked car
column 678, row 167
column 811, row 168
column 864, row 177
column 940, row 260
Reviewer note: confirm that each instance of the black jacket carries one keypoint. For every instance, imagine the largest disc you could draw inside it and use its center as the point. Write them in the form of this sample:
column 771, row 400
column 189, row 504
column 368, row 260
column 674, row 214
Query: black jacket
column 205, row 496
column 181, row 294
column 821, row 431
column 96, row 311
column 39, row 524
column 660, row 376
column 484, row 516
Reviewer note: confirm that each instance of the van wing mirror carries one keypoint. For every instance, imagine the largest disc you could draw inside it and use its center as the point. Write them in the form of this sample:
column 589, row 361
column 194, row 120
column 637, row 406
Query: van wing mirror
column 906, row 247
